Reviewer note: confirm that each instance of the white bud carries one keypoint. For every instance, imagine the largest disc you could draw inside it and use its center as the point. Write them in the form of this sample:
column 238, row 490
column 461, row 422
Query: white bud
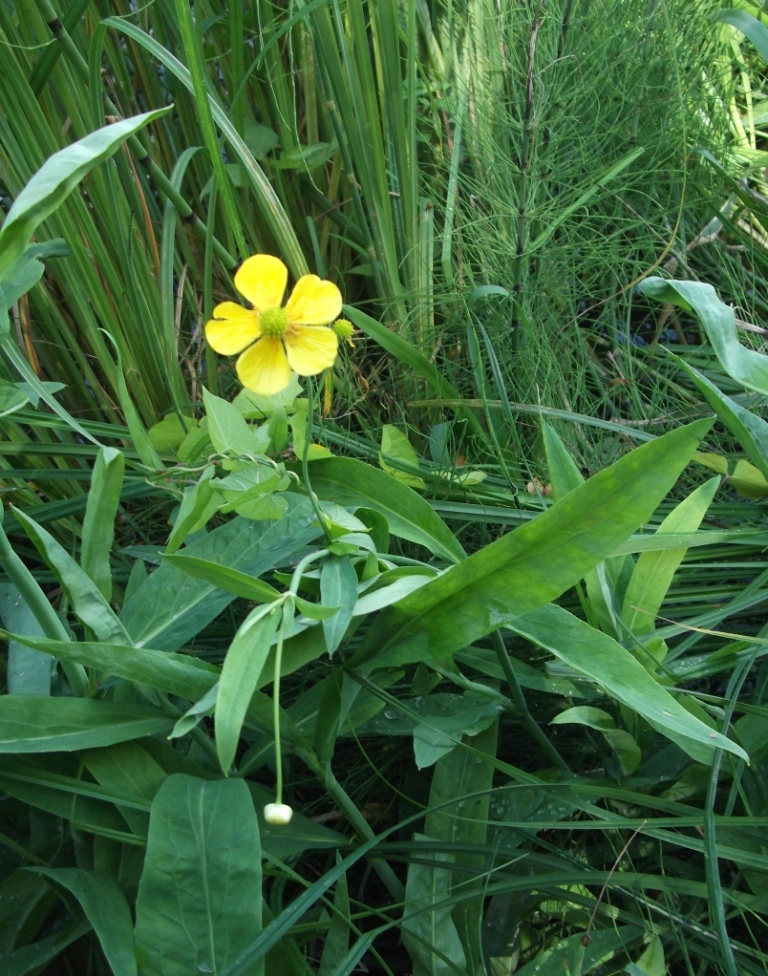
column 278, row 814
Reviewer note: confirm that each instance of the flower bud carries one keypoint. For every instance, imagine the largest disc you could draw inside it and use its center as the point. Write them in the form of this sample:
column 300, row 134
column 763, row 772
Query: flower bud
column 344, row 330
column 278, row 814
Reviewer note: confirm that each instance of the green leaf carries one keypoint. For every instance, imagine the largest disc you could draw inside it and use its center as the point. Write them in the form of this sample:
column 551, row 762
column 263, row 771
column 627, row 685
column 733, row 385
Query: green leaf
column 56, row 179
column 338, row 588
column 240, row 673
column 747, row 367
column 172, row 607
column 748, row 481
column 178, row 674
column 396, row 446
column 440, row 734
column 459, row 804
column 11, row 397
column 55, row 784
column 750, row 430
column 624, row 746
column 32, row 958
column 199, row 900
column 651, row 963
column 99, row 521
column 353, row 484
column 256, row 406
column 614, row 668
column 427, row 927
column 168, row 433
column 106, row 909
column 197, row 506
column 87, row 600
column 43, row 724
column 654, row 571
column 536, row 563
column 570, row 955
column 196, row 713
column 336, row 943
column 229, row 433
column 749, row 26
column 29, row 672
column 129, row 771
column 23, row 275
column 224, row 578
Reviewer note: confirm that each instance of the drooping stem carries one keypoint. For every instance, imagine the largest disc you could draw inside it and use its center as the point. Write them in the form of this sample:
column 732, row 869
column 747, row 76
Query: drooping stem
column 286, row 621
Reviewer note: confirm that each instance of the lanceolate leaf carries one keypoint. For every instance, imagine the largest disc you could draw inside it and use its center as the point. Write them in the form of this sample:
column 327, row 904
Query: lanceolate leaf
column 744, row 365
column 599, row 656
column 535, row 564
column 347, row 481
column 56, row 179
column 107, row 910
column 29, row 723
column 99, row 522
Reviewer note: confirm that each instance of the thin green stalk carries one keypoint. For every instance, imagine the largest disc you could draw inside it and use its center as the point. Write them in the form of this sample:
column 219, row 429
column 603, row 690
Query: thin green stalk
column 287, row 620
column 305, row 460
column 714, row 883
column 519, row 699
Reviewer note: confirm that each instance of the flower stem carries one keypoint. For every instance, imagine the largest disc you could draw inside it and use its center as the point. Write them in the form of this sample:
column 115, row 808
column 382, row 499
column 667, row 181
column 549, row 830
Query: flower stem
column 287, row 619
column 305, row 460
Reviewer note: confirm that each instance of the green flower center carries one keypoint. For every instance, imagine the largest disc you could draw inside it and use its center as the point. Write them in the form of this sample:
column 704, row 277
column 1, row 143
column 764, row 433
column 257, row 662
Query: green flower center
column 273, row 322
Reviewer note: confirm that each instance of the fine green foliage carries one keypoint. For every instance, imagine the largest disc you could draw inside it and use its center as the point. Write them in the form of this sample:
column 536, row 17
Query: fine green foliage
column 422, row 666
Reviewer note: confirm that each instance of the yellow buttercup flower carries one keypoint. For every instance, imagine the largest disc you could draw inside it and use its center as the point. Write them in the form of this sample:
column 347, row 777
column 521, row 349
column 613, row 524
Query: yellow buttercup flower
column 274, row 340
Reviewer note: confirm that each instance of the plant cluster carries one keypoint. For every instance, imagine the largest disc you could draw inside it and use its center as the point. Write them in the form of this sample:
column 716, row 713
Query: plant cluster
column 292, row 687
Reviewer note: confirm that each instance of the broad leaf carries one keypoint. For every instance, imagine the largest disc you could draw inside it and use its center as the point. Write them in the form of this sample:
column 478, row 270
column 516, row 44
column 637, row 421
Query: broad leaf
column 29, row 672
column 428, row 931
column 172, row 607
column 240, row 674
column 654, row 571
column 99, row 521
column 199, row 900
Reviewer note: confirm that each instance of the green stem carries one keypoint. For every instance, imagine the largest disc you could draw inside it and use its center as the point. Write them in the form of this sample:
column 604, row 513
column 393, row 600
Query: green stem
column 714, row 884
column 287, row 618
column 349, row 808
column 305, row 460
column 519, row 699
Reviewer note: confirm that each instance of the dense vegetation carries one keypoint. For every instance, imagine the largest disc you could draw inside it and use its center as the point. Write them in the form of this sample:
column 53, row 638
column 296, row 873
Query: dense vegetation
column 447, row 658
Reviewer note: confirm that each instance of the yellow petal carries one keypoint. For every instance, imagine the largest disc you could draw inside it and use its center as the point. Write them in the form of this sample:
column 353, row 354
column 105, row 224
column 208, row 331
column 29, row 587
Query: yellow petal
column 262, row 280
column 311, row 349
column 232, row 328
column 313, row 302
column 263, row 368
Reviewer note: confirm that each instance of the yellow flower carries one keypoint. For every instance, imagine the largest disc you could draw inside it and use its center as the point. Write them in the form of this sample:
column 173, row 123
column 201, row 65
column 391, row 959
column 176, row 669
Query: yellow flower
column 273, row 340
